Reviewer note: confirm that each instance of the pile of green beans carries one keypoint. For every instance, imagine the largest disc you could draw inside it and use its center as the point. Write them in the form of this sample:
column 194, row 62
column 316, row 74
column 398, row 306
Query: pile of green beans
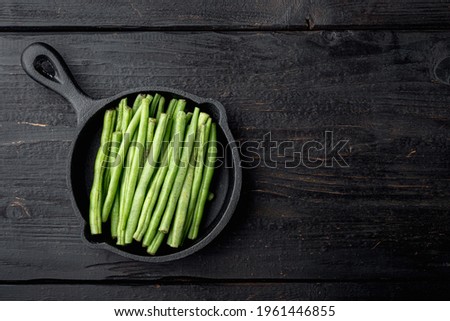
column 153, row 172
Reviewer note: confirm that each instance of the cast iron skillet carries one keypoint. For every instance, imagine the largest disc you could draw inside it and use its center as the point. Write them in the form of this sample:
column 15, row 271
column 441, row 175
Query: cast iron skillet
column 43, row 63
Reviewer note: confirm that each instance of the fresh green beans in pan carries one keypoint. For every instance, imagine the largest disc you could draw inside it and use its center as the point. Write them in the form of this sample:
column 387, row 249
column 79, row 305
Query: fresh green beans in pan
column 157, row 181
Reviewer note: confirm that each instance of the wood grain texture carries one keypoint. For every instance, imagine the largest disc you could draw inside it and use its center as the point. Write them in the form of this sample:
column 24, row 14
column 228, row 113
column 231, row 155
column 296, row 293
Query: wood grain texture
column 234, row 14
column 385, row 216
column 418, row 290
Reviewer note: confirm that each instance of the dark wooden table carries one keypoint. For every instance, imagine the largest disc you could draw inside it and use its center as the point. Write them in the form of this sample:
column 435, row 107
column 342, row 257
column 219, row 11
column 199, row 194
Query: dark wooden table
column 375, row 73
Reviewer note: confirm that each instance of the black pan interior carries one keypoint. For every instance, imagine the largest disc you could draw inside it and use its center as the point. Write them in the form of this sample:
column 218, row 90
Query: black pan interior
column 82, row 164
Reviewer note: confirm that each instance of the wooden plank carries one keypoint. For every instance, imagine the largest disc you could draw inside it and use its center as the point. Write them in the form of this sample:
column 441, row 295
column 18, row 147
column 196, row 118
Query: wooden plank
column 234, row 14
column 392, row 290
column 386, row 215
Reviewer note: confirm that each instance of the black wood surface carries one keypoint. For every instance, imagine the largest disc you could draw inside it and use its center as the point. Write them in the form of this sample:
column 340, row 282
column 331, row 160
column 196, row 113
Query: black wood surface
column 374, row 73
column 234, row 14
column 423, row 290
column 386, row 216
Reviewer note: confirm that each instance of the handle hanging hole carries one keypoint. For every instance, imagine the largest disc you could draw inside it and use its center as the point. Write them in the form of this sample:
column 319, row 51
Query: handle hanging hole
column 46, row 68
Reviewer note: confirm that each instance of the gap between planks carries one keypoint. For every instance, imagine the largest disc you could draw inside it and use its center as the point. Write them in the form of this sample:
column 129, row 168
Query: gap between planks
column 200, row 281
column 299, row 28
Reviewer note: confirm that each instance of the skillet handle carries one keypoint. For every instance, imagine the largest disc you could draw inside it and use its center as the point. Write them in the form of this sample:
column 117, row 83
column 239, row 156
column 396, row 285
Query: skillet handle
column 46, row 66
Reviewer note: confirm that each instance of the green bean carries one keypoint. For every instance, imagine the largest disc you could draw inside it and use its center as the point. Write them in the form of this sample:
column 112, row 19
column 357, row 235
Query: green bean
column 156, row 243
column 178, row 106
column 203, row 119
column 152, row 122
column 123, row 119
column 124, row 182
column 188, row 117
column 137, row 102
column 126, row 118
column 117, row 170
column 160, row 110
column 114, row 122
column 148, row 142
column 112, row 149
column 147, row 173
column 167, row 135
column 181, row 104
column 123, row 103
column 123, row 187
column 154, row 105
column 171, row 107
column 206, row 182
column 151, row 198
column 180, row 123
column 107, row 172
column 181, row 173
column 136, row 162
column 144, row 217
column 119, row 117
column 176, row 231
column 115, row 143
column 115, row 216
column 95, row 206
column 198, row 173
column 106, row 147
column 210, row 196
